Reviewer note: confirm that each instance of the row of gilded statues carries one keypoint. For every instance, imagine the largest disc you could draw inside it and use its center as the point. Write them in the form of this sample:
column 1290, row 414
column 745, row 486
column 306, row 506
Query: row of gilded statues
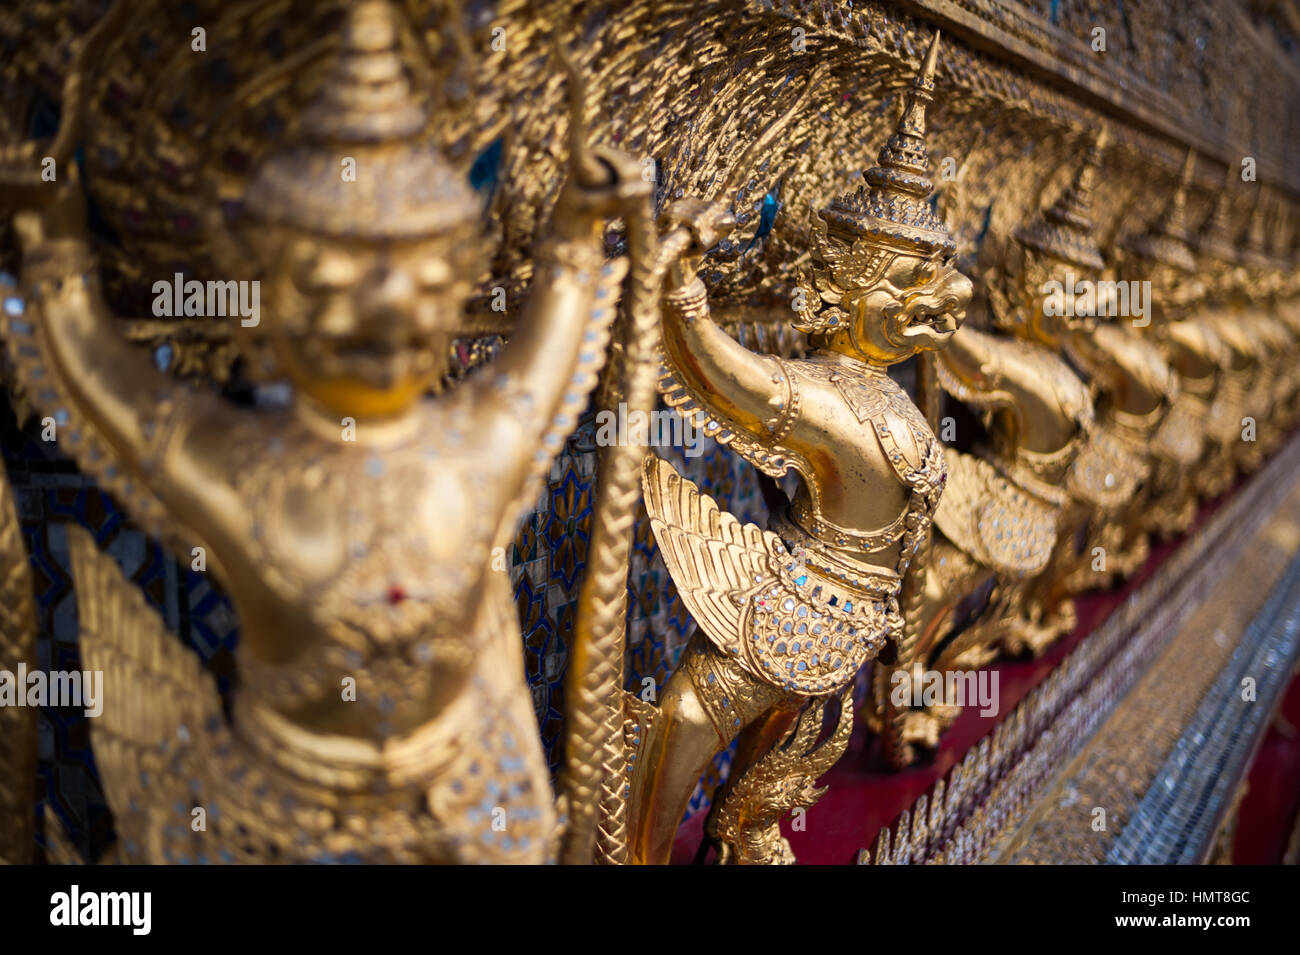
column 356, row 531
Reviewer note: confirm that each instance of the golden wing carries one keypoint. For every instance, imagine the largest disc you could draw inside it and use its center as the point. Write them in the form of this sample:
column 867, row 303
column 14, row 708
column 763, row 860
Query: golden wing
column 717, row 562
column 156, row 695
column 992, row 520
column 1107, row 471
column 17, row 723
column 1181, row 437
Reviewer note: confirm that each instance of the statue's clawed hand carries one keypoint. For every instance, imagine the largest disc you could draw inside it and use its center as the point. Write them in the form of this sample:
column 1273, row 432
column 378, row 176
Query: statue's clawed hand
column 604, row 183
column 707, row 222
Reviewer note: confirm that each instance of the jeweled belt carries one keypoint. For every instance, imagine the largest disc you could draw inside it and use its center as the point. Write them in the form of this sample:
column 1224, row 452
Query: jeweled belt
column 830, row 534
column 811, row 551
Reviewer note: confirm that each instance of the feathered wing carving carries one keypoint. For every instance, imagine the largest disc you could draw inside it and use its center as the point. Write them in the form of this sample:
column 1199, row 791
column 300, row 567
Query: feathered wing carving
column 990, row 518
column 1107, row 471
column 17, row 723
column 716, row 561
column 126, row 639
column 156, row 693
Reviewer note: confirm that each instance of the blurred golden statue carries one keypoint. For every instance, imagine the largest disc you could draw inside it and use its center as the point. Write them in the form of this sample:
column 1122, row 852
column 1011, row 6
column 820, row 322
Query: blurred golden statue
column 381, row 712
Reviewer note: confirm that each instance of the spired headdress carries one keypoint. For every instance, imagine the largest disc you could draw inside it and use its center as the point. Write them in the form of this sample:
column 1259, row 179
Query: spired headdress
column 1065, row 230
column 1168, row 240
column 1254, row 249
column 365, row 112
column 856, row 237
column 892, row 210
column 1215, row 239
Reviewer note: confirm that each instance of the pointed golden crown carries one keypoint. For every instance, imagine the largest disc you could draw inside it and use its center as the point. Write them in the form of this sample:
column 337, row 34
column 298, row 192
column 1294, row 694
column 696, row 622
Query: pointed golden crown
column 366, row 112
column 1254, row 249
column 1216, row 239
column 1065, row 230
column 892, row 210
column 1168, row 240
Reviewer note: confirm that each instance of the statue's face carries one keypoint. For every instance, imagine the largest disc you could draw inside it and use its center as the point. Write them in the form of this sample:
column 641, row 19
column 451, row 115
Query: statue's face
column 364, row 328
column 917, row 305
column 1047, row 285
column 1233, row 282
column 1173, row 291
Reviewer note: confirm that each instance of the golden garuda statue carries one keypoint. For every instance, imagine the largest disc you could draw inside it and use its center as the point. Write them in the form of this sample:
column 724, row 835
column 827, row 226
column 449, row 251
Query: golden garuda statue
column 1004, row 546
column 1236, row 352
column 1132, row 385
column 1162, row 255
column 381, row 713
column 786, row 616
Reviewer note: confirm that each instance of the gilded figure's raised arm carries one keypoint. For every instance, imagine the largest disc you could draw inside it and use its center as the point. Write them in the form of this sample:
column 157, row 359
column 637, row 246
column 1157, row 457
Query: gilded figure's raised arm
column 744, row 389
column 112, row 409
column 970, row 370
column 731, row 384
column 566, row 320
column 541, row 381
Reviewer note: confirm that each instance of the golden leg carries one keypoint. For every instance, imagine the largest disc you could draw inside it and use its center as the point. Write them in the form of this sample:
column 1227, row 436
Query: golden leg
column 707, row 703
